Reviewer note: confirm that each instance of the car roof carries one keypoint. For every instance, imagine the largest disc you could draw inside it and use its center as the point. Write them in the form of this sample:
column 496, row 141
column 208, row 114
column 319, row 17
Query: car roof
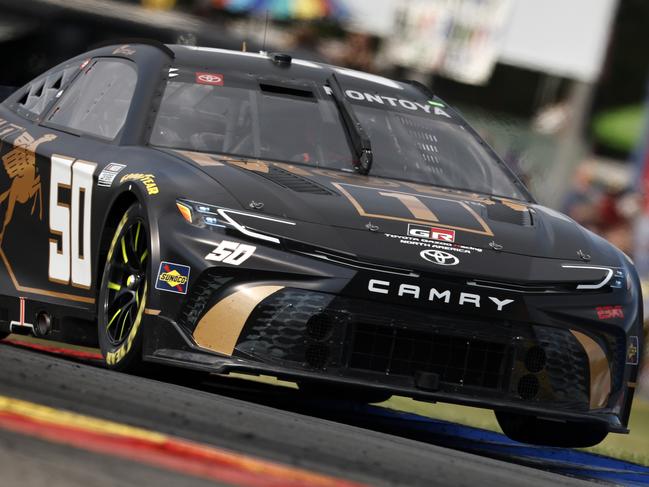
column 263, row 64
column 258, row 64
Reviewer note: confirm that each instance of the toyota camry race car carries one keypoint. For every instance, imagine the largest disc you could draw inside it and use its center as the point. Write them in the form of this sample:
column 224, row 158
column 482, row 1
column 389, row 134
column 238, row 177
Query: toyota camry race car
column 228, row 211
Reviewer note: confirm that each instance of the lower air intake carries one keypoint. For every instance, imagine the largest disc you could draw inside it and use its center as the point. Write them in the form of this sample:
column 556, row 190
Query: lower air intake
column 457, row 360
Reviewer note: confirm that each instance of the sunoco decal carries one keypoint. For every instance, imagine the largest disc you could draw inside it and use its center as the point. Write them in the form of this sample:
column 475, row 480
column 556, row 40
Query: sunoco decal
column 172, row 278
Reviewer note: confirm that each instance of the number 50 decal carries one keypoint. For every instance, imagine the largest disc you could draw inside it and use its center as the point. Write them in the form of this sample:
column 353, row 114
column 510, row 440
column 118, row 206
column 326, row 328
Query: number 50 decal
column 232, row 253
column 71, row 222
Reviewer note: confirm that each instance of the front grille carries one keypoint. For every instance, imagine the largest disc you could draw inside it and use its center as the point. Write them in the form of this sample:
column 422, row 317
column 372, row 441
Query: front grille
column 289, row 325
column 457, row 360
column 405, row 347
column 528, row 386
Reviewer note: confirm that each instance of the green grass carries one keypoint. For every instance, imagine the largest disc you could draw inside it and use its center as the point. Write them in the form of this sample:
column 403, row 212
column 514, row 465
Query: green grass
column 633, row 447
column 478, row 418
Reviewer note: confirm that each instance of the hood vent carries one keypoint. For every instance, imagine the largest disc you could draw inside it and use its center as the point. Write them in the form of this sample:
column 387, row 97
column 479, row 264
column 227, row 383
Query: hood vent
column 294, row 182
column 503, row 213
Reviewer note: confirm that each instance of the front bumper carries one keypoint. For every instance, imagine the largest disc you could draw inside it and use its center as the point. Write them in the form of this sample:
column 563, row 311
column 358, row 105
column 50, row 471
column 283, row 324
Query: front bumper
column 305, row 334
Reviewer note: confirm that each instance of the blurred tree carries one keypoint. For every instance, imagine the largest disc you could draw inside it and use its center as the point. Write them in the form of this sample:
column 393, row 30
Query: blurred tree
column 626, row 68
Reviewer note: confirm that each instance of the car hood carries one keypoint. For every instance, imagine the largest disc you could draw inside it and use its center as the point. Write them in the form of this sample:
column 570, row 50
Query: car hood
column 376, row 217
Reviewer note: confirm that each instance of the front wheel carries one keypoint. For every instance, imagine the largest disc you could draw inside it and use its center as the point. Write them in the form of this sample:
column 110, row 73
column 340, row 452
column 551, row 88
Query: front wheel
column 123, row 292
column 570, row 434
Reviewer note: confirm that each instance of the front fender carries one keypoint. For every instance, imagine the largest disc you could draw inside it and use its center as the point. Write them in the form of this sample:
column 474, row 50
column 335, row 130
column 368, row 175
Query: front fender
column 155, row 180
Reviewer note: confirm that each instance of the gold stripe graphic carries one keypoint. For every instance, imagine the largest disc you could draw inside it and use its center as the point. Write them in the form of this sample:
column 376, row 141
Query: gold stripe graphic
column 221, row 326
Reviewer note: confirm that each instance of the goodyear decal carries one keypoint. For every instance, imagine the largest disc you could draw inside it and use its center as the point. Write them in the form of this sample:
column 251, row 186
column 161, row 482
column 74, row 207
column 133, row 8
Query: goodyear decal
column 148, row 180
column 172, row 277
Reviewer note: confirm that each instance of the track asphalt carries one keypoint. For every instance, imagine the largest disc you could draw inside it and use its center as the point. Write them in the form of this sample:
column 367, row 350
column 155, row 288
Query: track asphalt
column 221, row 415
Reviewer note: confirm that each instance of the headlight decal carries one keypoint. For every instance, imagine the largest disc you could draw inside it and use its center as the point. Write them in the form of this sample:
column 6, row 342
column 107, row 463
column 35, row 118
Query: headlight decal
column 609, row 274
column 221, row 217
column 226, row 214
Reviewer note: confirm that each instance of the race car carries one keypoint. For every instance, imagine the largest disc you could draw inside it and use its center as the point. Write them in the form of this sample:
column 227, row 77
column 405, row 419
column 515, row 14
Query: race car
column 229, row 211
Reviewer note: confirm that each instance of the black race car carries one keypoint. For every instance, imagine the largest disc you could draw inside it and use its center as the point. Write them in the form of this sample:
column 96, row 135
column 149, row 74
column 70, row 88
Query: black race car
column 228, row 211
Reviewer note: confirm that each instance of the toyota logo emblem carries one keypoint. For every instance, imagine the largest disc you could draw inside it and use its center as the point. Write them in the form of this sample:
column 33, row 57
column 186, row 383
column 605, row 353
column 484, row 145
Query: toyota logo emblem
column 210, row 78
column 214, row 79
column 439, row 257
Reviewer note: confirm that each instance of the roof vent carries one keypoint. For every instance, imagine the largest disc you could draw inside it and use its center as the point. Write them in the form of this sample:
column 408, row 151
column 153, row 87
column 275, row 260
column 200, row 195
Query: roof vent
column 281, row 59
column 294, row 182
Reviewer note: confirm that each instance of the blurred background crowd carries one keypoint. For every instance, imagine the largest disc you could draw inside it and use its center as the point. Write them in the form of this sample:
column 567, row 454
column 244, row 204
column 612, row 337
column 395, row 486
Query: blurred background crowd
column 559, row 88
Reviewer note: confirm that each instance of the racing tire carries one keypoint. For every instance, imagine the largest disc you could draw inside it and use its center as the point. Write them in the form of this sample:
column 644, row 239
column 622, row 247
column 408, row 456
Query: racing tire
column 347, row 393
column 123, row 293
column 537, row 431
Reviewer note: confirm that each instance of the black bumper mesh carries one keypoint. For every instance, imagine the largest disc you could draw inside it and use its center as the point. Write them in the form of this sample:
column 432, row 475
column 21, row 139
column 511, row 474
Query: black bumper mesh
column 347, row 337
column 455, row 359
column 323, row 333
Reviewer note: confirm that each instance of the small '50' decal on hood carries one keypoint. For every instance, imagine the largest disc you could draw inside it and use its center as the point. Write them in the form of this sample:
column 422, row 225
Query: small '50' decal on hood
column 233, row 253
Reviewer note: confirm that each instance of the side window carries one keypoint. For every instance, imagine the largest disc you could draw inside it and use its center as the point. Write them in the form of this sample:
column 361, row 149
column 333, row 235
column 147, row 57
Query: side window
column 43, row 91
column 98, row 101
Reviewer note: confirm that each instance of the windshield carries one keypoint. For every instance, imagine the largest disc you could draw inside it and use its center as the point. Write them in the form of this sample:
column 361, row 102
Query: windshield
column 300, row 123
column 280, row 123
